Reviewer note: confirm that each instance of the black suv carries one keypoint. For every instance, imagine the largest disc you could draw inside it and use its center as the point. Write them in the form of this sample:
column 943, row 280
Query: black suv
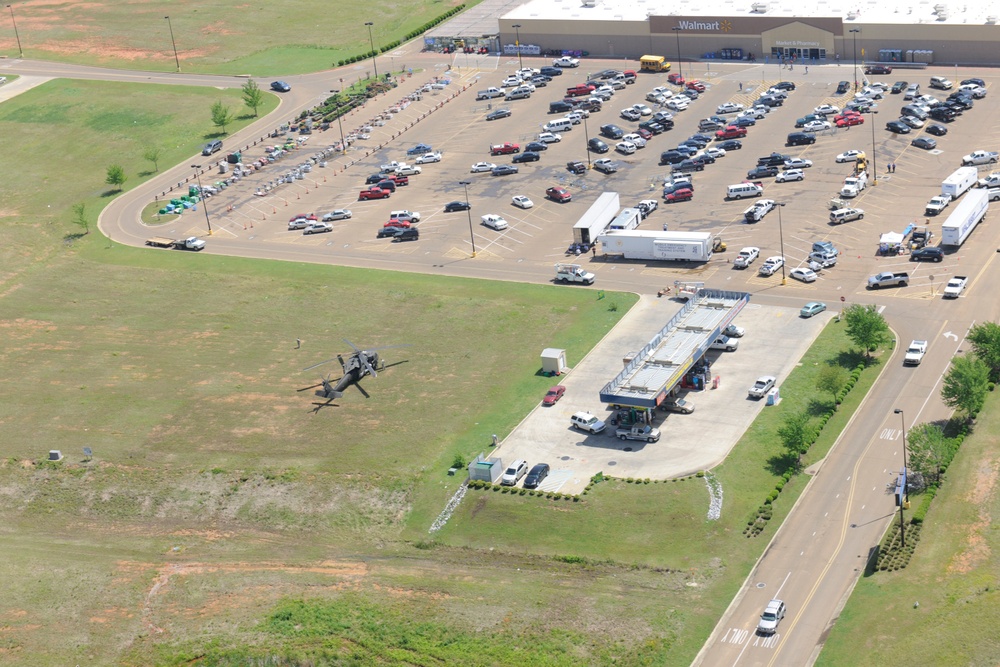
column 800, row 139
column 560, row 107
column 551, row 71
column 691, row 164
column 784, row 85
column 898, row 87
column 927, row 254
column 943, row 114
column 672, row 157
column 843, row 87
column 762, row 171
column 730, row 145
column 597, row 146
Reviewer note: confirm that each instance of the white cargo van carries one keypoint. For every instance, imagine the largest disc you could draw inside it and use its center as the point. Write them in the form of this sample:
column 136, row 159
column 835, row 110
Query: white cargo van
column 744, row 190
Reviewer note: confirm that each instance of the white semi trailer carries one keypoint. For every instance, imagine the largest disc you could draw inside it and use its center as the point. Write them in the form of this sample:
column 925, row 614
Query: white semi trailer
column 965, row 217
column 658, row 245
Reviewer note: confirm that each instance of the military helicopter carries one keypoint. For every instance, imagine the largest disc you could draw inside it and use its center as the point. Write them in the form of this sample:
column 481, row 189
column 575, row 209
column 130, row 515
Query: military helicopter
column 356, row 366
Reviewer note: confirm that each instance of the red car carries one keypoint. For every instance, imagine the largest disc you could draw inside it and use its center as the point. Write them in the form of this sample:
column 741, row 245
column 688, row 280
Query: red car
column 695, row 84
column 311, row 217
column 580, row 90
column 561, row 195
column 847, row 120
column 644, row 133
column 684, row 194
column 555, row 393
column 676, row 79
column 393, row 222
column 731, row 132
column 373, row 193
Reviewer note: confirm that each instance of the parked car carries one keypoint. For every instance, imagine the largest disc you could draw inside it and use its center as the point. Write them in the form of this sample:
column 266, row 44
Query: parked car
column 482, row 167
column 606, row 166
column 498, row 114
column 790, row 175
column 521, row 201
column 597, row 146
column 897, row 127
column 924, row 142
column 337, row 214
column 936, row 130
column 803, row 274
column 504, row 169
column 536, row 475
column 762, row 172
column 453, row 206
column 559, row 194
column 527, row 156
column 494, row 221
column 553, row 395
column 318, row 228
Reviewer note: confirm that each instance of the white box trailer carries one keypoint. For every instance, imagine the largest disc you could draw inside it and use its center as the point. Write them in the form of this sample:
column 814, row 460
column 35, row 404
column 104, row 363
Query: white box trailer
column 628, row 219
column 965, row 217
column 658, row 245
column 960, row 180
column 597, row 218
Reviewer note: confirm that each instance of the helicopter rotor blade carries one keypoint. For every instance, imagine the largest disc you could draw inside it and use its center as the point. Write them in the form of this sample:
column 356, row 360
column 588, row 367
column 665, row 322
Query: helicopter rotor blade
column 309, row 368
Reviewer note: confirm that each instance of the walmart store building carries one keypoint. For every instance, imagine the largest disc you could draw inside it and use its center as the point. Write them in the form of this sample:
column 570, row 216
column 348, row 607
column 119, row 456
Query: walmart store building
column 919, row 31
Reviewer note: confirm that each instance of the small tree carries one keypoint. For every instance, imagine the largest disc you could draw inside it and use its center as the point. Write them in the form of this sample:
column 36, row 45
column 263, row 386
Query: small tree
column 153, row 154
column 985, row 339
column 796, row 433
column 831, row 378
column 866, row 327
column 80, row 217
column 221, row 115
column 253, row 96
column 966, row 384
column 116, row 176
column 928, row 450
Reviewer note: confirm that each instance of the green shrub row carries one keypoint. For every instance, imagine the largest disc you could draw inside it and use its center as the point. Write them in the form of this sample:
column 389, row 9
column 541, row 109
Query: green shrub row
column 855, row 374
column 513, row 490
column 757, row 524
column 410, row 35
column 892, row 555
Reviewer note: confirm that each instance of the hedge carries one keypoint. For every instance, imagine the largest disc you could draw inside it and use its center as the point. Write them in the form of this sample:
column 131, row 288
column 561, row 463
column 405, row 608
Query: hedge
column 410, row 35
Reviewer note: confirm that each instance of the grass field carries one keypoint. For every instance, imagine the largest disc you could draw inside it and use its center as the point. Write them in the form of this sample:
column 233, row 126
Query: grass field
column 263, row 40
column 943, row 608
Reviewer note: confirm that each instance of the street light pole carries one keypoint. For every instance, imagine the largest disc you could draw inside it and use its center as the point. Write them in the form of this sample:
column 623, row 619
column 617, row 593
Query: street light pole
column 472, row 236
column 172, row 42
column 874, row 166
column 781, row 239
column 371, row 41
column 20, row 51
column 201, row 194
column 905, row 496
column 855, row 31
column 677, row 34
column 517, row 44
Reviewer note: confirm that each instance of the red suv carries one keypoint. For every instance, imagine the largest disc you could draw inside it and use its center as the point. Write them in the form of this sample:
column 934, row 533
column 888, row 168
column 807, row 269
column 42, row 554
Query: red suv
column 695, row 84
column 561, row 195
column 731, row 132
column 676, row 79
column 684, row 194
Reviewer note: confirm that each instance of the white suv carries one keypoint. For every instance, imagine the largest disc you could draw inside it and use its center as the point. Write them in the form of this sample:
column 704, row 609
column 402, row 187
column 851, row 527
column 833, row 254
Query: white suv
column 587, row 422
column 773, row 613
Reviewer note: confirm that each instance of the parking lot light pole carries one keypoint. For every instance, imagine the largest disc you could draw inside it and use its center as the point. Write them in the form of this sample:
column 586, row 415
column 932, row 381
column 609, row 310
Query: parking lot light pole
column 472, row 235
column 902, row 529
column 517, row 44
column 586, row 136
column 781, row 239
column 201, row 194
column 874, row 167
column 172, row 42
column 854, row 32
column 677, row 34
column 371, row 41
column 20, row 51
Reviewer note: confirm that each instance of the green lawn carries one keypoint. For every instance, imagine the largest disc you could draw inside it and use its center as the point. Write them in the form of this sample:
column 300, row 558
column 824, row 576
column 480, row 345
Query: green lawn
column 263, row 39
column 943, row 608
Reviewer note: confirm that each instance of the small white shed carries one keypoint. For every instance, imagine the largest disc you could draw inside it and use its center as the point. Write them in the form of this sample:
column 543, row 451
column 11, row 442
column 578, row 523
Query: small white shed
column 554, row 361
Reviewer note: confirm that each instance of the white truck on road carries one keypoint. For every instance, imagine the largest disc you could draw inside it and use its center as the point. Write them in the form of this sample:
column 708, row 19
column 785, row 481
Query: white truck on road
column 915, row 353
column 573, row 273
column 955, row 287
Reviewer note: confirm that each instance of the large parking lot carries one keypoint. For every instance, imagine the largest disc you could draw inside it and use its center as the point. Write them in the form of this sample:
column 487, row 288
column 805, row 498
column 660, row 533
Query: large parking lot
column 539, row 236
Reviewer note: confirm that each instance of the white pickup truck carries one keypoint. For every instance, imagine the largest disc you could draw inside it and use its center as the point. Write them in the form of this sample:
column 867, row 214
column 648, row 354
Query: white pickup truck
column 490, row 93
column 980, row 157
column 915, row 353
column 937, row 204
column 573, row 273
column 955, row 287
column 889, row 278
column 746, row 257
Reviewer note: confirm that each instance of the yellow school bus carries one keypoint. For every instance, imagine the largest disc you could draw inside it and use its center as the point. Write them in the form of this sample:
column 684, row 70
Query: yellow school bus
column 654, row 64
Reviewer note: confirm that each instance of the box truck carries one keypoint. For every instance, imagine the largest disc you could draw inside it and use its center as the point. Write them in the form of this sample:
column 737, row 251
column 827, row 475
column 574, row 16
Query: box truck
column 961, row 180
column 658, row 245
column 965, row 217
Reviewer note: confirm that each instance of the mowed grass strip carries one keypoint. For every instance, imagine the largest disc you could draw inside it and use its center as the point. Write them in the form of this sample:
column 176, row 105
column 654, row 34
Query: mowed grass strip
column 216, row 37
column 943, row 608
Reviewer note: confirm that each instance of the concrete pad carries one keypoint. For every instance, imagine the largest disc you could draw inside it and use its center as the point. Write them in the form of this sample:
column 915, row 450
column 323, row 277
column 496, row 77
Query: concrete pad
column 21, row 84
column 776, row 339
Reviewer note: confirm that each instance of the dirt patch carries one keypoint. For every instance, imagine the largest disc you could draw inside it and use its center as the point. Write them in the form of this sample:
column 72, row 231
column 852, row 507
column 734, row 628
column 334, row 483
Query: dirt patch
column 977, row 549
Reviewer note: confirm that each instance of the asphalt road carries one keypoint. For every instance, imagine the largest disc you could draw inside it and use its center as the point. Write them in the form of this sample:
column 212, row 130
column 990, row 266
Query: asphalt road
column 820, row 551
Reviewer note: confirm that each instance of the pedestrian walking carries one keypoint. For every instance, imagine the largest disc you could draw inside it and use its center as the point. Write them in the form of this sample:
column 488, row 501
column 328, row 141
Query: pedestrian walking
column 894, row 167
column 593, row 249
column 807, row 69
column 741, row 86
